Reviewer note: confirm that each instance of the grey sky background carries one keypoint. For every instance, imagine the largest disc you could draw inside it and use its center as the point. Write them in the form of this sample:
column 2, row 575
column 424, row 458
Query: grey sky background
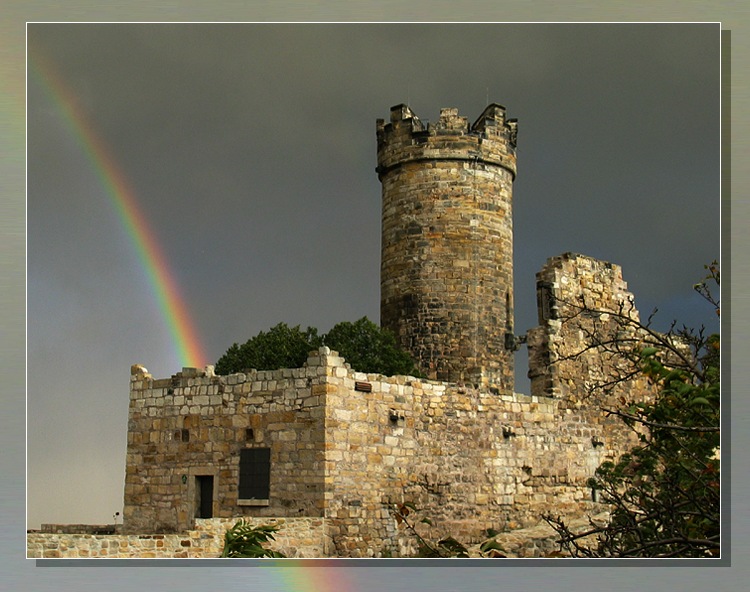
column 251, row 150
column 76, row 426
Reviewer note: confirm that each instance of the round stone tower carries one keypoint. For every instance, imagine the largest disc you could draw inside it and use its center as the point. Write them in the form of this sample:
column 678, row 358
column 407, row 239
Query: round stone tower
column 446, row 276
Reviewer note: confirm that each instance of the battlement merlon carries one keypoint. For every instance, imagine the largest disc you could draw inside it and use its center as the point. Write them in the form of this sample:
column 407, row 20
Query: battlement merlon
column 490, row 140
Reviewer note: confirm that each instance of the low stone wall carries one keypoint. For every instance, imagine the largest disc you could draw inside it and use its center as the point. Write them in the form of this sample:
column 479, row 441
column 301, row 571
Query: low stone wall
column 297, row 538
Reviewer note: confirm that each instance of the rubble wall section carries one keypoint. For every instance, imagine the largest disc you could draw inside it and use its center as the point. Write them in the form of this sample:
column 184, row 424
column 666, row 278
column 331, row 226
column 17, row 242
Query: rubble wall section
column 296, row 538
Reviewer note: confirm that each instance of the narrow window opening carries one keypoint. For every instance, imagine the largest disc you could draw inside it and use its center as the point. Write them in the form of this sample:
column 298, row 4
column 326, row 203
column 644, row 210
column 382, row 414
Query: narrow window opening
column 545, row 301
column 255, row 475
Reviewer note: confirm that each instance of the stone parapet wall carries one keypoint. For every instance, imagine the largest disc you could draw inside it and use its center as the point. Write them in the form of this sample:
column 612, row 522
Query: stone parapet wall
column 296, row 538
column 469, row 459
column 349, row 446
column 405, row 138
column 195, row 424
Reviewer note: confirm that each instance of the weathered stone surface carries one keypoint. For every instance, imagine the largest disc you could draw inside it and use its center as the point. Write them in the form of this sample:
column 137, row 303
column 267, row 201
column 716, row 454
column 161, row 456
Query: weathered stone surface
column 447, row 242
column 471, row 459
column 296, row 537
column 579, row 299
column 346, row 447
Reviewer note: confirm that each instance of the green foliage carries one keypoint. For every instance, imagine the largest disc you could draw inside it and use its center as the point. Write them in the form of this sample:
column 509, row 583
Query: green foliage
column 363, row 344
column 665, row 492
column 280, row 347
column 368, row 348
column 243, row 540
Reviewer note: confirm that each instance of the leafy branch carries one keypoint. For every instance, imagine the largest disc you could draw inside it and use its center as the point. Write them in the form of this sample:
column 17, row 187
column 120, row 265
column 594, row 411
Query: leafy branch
column 244, row 540
column 664, row 494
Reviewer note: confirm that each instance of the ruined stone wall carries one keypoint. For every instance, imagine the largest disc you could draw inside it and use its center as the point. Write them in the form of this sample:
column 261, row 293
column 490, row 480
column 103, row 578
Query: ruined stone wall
column 584, row 352
column 296, row 538
column 468, row 458
column 473, row 459
column 589, row 328
column 447, row 242
column 194, row 424
column 348, row 446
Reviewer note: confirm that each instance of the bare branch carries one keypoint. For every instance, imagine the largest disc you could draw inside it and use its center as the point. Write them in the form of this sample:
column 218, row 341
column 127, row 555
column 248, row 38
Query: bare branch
column 668, row 426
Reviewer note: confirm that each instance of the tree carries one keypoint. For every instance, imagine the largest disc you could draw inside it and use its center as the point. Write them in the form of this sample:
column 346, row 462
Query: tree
column 369, row 348
column 280, row 347
column 665, row 493
column 364, row 345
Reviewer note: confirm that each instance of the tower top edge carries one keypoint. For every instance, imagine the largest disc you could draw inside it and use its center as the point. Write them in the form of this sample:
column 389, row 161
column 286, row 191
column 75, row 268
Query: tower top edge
column 491, row 123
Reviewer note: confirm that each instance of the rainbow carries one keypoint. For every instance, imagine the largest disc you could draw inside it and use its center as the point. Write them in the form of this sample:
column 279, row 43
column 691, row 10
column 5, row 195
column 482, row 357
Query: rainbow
column 165, row 289
column 313, row 575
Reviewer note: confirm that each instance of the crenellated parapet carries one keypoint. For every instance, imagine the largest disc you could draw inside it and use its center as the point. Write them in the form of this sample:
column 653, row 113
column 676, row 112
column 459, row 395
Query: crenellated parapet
column 490, row 140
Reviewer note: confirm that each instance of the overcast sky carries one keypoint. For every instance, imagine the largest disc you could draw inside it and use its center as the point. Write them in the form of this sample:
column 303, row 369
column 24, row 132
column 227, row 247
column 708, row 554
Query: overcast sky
column 251, row 150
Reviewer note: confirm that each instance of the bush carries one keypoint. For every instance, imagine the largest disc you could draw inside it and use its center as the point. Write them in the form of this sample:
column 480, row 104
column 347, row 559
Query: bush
column 243, row 540
column 368, row 348
column 364, row 345
column 280, row 347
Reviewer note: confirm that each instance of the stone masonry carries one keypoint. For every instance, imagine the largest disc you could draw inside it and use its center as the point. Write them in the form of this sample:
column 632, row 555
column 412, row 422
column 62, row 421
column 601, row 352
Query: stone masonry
column 296, row 537
column 340, row 449
column 193, row 425
column 583, row 302
column 447, row 242
column 347, row 446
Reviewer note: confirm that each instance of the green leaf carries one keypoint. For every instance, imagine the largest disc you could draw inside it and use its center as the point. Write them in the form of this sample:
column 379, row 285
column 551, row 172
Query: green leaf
column 648, row 351
column 489, row 545
column 243, row 540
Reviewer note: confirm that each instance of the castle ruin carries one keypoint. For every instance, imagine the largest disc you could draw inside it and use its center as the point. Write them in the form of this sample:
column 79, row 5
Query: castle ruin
column 328, row 443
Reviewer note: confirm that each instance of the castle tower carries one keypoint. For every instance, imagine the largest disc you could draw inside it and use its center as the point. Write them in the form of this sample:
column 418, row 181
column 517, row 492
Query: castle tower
column 446, row 275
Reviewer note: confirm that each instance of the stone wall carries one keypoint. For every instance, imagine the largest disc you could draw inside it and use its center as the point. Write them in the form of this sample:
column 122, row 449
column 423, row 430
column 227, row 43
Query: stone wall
column 468, row 458
column 447, row 242
column 348, row 447
column 296, row 538
column 357, row 444
column 194, row 424
column 582, row 351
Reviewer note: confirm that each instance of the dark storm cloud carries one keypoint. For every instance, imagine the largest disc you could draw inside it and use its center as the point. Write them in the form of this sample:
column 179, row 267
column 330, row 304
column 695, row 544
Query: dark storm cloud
column 251, row 149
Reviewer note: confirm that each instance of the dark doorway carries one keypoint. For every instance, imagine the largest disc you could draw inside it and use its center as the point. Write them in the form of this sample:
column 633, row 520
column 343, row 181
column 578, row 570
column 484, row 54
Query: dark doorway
column 204, row 492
